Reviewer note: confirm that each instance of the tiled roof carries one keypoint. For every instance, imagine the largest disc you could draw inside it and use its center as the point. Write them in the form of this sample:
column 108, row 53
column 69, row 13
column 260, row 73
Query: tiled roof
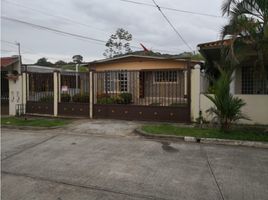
column 214, row 44
column 6, row 61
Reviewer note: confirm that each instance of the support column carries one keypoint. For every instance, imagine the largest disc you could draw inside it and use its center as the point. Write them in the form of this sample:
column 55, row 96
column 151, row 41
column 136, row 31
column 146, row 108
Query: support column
column 55, row 83
column 59, row 87
column 91, row 94
column 195, row 92
column 232, row 84
column 24, row 90
column 27, row 86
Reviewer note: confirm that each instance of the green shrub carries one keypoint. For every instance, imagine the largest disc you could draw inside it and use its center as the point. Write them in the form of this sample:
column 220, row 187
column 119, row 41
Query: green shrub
column 81, row 98
column 48, row 98
column 155, row 104
column 106, row 100
column 125, row 98
column 65, row 97
column 177, row 104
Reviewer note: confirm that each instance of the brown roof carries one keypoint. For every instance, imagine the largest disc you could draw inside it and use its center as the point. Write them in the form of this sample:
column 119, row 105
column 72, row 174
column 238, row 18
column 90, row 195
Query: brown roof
column 215, row 44
column 7, row 61
column 141, row 57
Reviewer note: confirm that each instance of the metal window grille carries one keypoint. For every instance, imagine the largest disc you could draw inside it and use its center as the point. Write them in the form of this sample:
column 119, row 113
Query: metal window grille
column 253, row 82
column 171, row 90
column 165, row 76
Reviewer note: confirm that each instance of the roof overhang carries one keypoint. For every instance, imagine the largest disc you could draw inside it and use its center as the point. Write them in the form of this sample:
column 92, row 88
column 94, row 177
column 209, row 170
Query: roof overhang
column 8, row 61
column 141, row 57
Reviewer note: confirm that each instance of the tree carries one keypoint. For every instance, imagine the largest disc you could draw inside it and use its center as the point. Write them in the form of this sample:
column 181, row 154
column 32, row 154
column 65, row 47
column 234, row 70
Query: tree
column 60, row 62
column 247, row 29
column 118, row 43
column 227, row 108
column 77, row 59
column 43, row 62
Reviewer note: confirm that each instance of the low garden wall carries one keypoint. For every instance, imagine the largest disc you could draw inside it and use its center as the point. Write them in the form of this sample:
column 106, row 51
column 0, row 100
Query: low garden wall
column 73, row 109
column 256, row 108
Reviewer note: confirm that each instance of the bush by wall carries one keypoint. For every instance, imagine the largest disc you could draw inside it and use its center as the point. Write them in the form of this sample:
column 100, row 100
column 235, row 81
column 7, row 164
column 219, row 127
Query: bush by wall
column 65, row 97
column 81, row 98
column 48, row 98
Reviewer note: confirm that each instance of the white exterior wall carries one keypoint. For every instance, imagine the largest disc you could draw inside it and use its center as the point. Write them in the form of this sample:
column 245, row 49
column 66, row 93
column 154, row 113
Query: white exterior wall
column 15, row 95
column 15, row 89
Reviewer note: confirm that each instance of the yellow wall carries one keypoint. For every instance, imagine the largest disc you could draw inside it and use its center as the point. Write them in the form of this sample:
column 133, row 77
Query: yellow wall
column 140, row 64
column 256, row 108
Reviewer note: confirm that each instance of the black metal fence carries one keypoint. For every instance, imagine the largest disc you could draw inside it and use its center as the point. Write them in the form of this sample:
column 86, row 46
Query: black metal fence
column 74, row 87
column 147, row 88
column 4, row 87
column 40, row 87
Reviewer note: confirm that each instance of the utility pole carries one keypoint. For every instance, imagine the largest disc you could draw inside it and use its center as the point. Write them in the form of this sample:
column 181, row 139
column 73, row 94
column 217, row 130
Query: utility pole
column 20, row 63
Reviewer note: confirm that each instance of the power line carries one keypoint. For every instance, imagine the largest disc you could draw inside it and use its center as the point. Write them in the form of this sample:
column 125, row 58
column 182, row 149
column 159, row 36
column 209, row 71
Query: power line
column 13, row 43
column 173, row 27
column 173, row 9
column 52, row 15
column 5, row 50
column 77, row 36
column 76, row 22
column 52, row 29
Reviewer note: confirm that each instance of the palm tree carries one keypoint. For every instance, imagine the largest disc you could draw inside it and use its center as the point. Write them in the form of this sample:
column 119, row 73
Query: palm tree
column 227, row 108
column 247, row 29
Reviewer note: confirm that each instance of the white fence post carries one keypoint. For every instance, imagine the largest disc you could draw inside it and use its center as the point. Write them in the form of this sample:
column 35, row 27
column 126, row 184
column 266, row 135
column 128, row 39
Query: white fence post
column 91, row 91
column 55, row 83
column 195, row 92
column 24, row 90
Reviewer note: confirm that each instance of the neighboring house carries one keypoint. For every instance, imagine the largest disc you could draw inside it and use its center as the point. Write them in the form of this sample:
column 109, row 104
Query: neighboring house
column 151, row 80
column 249, row 83
column 10, row 89
column 42, row 69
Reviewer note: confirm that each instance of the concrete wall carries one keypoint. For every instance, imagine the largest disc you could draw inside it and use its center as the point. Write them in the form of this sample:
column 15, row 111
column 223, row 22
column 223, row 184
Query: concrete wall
column 15, row 95
column 256, row 108
column 15, row 89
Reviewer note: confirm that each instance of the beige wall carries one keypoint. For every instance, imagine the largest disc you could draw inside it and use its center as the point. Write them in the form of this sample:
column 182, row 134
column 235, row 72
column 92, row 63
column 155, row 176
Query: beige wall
column 256, row 108
column 140, row 65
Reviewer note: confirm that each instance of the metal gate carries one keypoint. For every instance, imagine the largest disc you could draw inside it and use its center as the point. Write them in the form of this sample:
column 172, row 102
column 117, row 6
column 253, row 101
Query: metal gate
column 73, row 94
column 4, row 93
column 40, row 93
column 151, row 95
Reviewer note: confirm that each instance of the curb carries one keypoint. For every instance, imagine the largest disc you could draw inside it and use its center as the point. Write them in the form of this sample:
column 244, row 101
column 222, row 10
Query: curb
column 153, row 136
column 204, row 140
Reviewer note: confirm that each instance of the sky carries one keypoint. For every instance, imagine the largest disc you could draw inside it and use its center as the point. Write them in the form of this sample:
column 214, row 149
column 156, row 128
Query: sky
column 99, row 19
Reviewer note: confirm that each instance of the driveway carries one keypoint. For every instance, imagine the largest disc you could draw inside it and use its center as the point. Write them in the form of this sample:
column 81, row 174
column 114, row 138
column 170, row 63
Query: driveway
column 63, row 165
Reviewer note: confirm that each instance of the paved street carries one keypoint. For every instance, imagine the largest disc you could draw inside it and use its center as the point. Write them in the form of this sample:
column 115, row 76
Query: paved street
column 65, row 165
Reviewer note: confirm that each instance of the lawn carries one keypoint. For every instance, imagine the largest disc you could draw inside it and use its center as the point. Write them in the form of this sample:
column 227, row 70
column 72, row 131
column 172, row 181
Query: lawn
column 37, row 122
column 246, row 133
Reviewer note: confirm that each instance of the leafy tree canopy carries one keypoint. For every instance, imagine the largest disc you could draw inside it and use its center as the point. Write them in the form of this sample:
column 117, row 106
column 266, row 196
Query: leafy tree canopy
column 247, row 30
column 118, row 43
column 60, row 62
column 77, row 59
column 43, row 62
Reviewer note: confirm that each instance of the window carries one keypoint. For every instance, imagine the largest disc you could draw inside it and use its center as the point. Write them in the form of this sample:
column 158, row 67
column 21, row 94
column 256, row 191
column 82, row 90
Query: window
column 165, row 76
column 116, row 81
column 123, row 81
column 253, row 82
